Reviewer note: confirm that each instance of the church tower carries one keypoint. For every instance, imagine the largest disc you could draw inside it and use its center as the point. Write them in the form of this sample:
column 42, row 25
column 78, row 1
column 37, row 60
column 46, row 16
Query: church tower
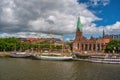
column 82, row 44
column 78, row 38
column 79, row 29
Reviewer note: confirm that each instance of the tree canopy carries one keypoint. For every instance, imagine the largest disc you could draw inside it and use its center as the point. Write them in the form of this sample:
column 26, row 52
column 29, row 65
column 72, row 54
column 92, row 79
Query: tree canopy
column 11, row 44
column 113, row 45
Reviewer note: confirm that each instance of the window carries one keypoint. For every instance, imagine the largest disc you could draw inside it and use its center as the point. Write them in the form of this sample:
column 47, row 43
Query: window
column 86, row 46
column 82, row 46
column 90, row 46
column 94, row 46
column 78, row 45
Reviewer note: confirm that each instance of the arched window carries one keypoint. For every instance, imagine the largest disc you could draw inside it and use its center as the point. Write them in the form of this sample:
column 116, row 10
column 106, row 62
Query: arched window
column 90, row 46
column 78, row 45
column 82, row 46
column 94, row 46
column 86, row 47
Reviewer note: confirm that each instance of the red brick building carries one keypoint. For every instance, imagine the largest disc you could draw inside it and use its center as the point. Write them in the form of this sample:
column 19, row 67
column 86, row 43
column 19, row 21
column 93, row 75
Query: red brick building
column 82, row 44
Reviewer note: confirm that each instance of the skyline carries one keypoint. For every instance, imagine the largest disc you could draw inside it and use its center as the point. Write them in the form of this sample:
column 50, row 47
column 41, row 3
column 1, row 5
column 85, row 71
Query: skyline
column 28, row 17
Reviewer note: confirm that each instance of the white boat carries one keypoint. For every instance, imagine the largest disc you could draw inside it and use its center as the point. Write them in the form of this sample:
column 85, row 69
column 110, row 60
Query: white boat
column 19, row 55
column 106, row 60
column 56, row 58
column 46, row 55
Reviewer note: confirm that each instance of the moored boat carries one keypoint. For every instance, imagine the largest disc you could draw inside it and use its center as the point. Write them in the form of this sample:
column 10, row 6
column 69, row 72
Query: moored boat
column 56, row 58
column 19, row 55
column 108, row 60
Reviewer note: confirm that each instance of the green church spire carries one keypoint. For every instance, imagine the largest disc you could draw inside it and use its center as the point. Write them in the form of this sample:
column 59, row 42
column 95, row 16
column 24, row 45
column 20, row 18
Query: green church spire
column 79, row 26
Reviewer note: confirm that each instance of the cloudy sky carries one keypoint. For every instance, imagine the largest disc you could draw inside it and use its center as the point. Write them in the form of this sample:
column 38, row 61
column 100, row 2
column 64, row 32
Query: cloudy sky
column 26, row 18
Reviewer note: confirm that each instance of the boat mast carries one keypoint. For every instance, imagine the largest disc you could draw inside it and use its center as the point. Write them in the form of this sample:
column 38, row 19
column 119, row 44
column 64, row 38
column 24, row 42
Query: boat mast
column 15, row 47
column 51, row 38
column 62, row 43
column 50, row 41
column 39, row 50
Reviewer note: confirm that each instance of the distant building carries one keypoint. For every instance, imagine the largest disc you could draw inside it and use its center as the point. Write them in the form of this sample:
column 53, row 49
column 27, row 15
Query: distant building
column 113, row 36
column 29, row 40
column 81, row 44
column 36, row 40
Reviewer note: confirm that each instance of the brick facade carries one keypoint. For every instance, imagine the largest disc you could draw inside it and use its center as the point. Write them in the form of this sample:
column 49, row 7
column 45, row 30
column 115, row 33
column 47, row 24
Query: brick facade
column 82, row 44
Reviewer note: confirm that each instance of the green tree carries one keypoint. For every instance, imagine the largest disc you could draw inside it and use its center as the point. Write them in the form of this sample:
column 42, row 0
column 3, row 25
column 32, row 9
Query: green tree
column 112, row 45
column 8, row 44
column 70, row 44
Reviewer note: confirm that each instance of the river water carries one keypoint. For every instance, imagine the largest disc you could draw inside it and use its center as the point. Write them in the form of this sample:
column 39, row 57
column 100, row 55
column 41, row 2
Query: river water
column 28, row 69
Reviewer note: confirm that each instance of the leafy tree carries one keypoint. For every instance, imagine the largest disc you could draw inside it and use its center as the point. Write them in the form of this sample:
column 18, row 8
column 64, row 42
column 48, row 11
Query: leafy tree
column 112, row 45
column 8, row 44
column 11, row 44
column 70, row 44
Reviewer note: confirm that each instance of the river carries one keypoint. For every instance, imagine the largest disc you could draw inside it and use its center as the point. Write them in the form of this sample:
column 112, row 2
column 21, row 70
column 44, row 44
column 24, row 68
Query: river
column 28, row 69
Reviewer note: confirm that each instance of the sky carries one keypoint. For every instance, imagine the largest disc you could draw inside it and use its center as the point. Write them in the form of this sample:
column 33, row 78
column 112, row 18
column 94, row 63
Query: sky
column 27, row 18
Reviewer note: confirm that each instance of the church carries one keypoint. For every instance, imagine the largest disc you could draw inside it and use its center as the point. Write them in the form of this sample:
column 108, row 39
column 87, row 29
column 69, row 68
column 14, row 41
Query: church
column 82, row 44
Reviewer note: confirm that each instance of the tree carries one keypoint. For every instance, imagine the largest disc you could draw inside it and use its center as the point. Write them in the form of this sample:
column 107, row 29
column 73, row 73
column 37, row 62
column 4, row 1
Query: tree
column 112, row 45
column 70, row 44
column 8, row 44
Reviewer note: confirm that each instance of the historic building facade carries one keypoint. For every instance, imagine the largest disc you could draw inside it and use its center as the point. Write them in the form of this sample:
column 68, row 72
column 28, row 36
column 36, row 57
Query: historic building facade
column 81, row 44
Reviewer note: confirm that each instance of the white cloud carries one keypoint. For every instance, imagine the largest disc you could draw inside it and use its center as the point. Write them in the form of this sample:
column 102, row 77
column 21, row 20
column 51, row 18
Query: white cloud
column 98, row 2
column 30, row 35
column 8, row 16
column 56, row 16
column 109, row 29
column 113, row 28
